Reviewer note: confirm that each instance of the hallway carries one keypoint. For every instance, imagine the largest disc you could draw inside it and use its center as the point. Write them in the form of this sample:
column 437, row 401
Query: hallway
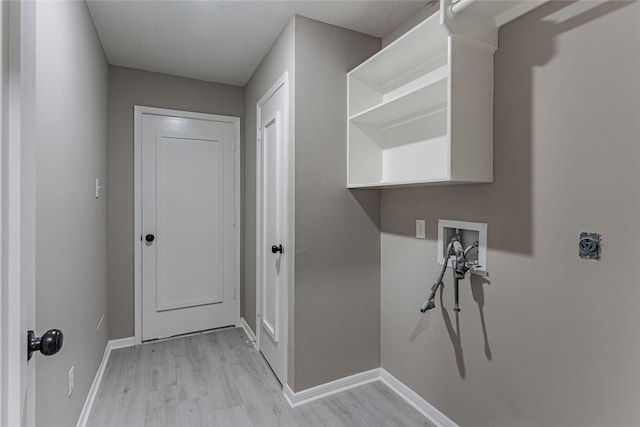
column 219, row 378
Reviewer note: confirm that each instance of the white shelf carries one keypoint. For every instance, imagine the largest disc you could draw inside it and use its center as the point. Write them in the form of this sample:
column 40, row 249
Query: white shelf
column 423, row 98
column 401, row 102
column 415, row 49
column 408, row 183
column 407, row 63
column 420, row 111
column 408, row 149
column 500, row 11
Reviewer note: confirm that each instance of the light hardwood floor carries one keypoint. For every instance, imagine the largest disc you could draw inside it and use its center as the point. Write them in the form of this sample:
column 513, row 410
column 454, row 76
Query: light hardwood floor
column 219, row 379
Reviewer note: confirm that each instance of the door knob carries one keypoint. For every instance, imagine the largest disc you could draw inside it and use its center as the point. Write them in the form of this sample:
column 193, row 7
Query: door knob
column 49, row 344
column 149, row 238
column 275, row 249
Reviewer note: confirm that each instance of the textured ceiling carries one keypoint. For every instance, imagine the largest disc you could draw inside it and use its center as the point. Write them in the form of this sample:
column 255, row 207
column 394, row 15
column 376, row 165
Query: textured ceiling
column 223, row 41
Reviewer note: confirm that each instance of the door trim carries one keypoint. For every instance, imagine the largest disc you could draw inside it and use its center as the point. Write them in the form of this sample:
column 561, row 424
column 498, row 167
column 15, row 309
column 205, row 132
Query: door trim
column 17, row 210
column 289, row 223
column 138, row 111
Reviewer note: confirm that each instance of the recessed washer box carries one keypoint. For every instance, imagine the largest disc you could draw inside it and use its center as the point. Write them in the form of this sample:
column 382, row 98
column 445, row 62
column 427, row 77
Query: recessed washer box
column 469, row 232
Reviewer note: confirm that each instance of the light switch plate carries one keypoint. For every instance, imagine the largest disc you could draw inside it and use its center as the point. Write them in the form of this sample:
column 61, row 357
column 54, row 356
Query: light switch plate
column 420, row 229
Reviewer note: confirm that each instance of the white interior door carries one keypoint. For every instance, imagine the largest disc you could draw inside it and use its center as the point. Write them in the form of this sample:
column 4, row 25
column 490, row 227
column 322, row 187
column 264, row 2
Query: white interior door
column 17, row 213
column 188, row 233
column 273, row 252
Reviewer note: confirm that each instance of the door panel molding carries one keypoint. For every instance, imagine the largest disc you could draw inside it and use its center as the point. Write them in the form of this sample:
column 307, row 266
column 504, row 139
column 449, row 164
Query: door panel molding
column 139, row 110
column 165, row 300
column 270, row 308
column 270, row 331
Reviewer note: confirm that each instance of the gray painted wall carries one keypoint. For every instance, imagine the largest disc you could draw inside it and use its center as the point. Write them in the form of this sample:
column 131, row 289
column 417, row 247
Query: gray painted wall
column 334, row 305
column 129, row 87
column 547, row 339
column 337, row 266
column 71, row 224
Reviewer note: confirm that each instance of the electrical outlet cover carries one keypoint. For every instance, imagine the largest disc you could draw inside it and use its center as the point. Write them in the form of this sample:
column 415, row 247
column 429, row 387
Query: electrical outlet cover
column 420, row 229
column 589, row 246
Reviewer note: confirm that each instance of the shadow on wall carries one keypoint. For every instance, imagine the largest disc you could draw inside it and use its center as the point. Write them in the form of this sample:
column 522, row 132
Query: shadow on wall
column 477, row 290
column 507, row 201
column 454, row 334
column 369, row 201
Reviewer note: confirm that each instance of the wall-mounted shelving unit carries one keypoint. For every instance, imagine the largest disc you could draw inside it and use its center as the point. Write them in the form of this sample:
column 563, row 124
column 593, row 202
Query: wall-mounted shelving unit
column 420, row 111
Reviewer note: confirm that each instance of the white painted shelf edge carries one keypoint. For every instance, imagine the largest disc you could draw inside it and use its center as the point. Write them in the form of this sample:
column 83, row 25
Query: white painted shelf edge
column 432, row 78
column 412, row 183
column 396, row 49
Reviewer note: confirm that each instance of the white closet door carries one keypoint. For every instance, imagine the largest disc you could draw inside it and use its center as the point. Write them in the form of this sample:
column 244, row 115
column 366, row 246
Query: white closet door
column 188, row 248
column 272, row 252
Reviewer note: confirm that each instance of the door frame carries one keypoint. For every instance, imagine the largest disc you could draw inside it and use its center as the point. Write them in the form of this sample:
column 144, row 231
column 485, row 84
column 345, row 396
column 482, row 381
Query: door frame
column 138, row 111
column 289, row 222
column 17, row 210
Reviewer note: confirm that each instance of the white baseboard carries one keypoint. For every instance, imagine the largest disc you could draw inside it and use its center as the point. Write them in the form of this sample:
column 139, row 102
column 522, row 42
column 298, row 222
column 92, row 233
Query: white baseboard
column 414, row 399
column 330, row 388
column 249, row 332
column 93, row 391
column 411, row 397
column 121, row 343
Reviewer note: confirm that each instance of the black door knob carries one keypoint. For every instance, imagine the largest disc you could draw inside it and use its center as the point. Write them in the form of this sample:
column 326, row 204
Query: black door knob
column 49, row 344
column 149, row 238
column 275, row 249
